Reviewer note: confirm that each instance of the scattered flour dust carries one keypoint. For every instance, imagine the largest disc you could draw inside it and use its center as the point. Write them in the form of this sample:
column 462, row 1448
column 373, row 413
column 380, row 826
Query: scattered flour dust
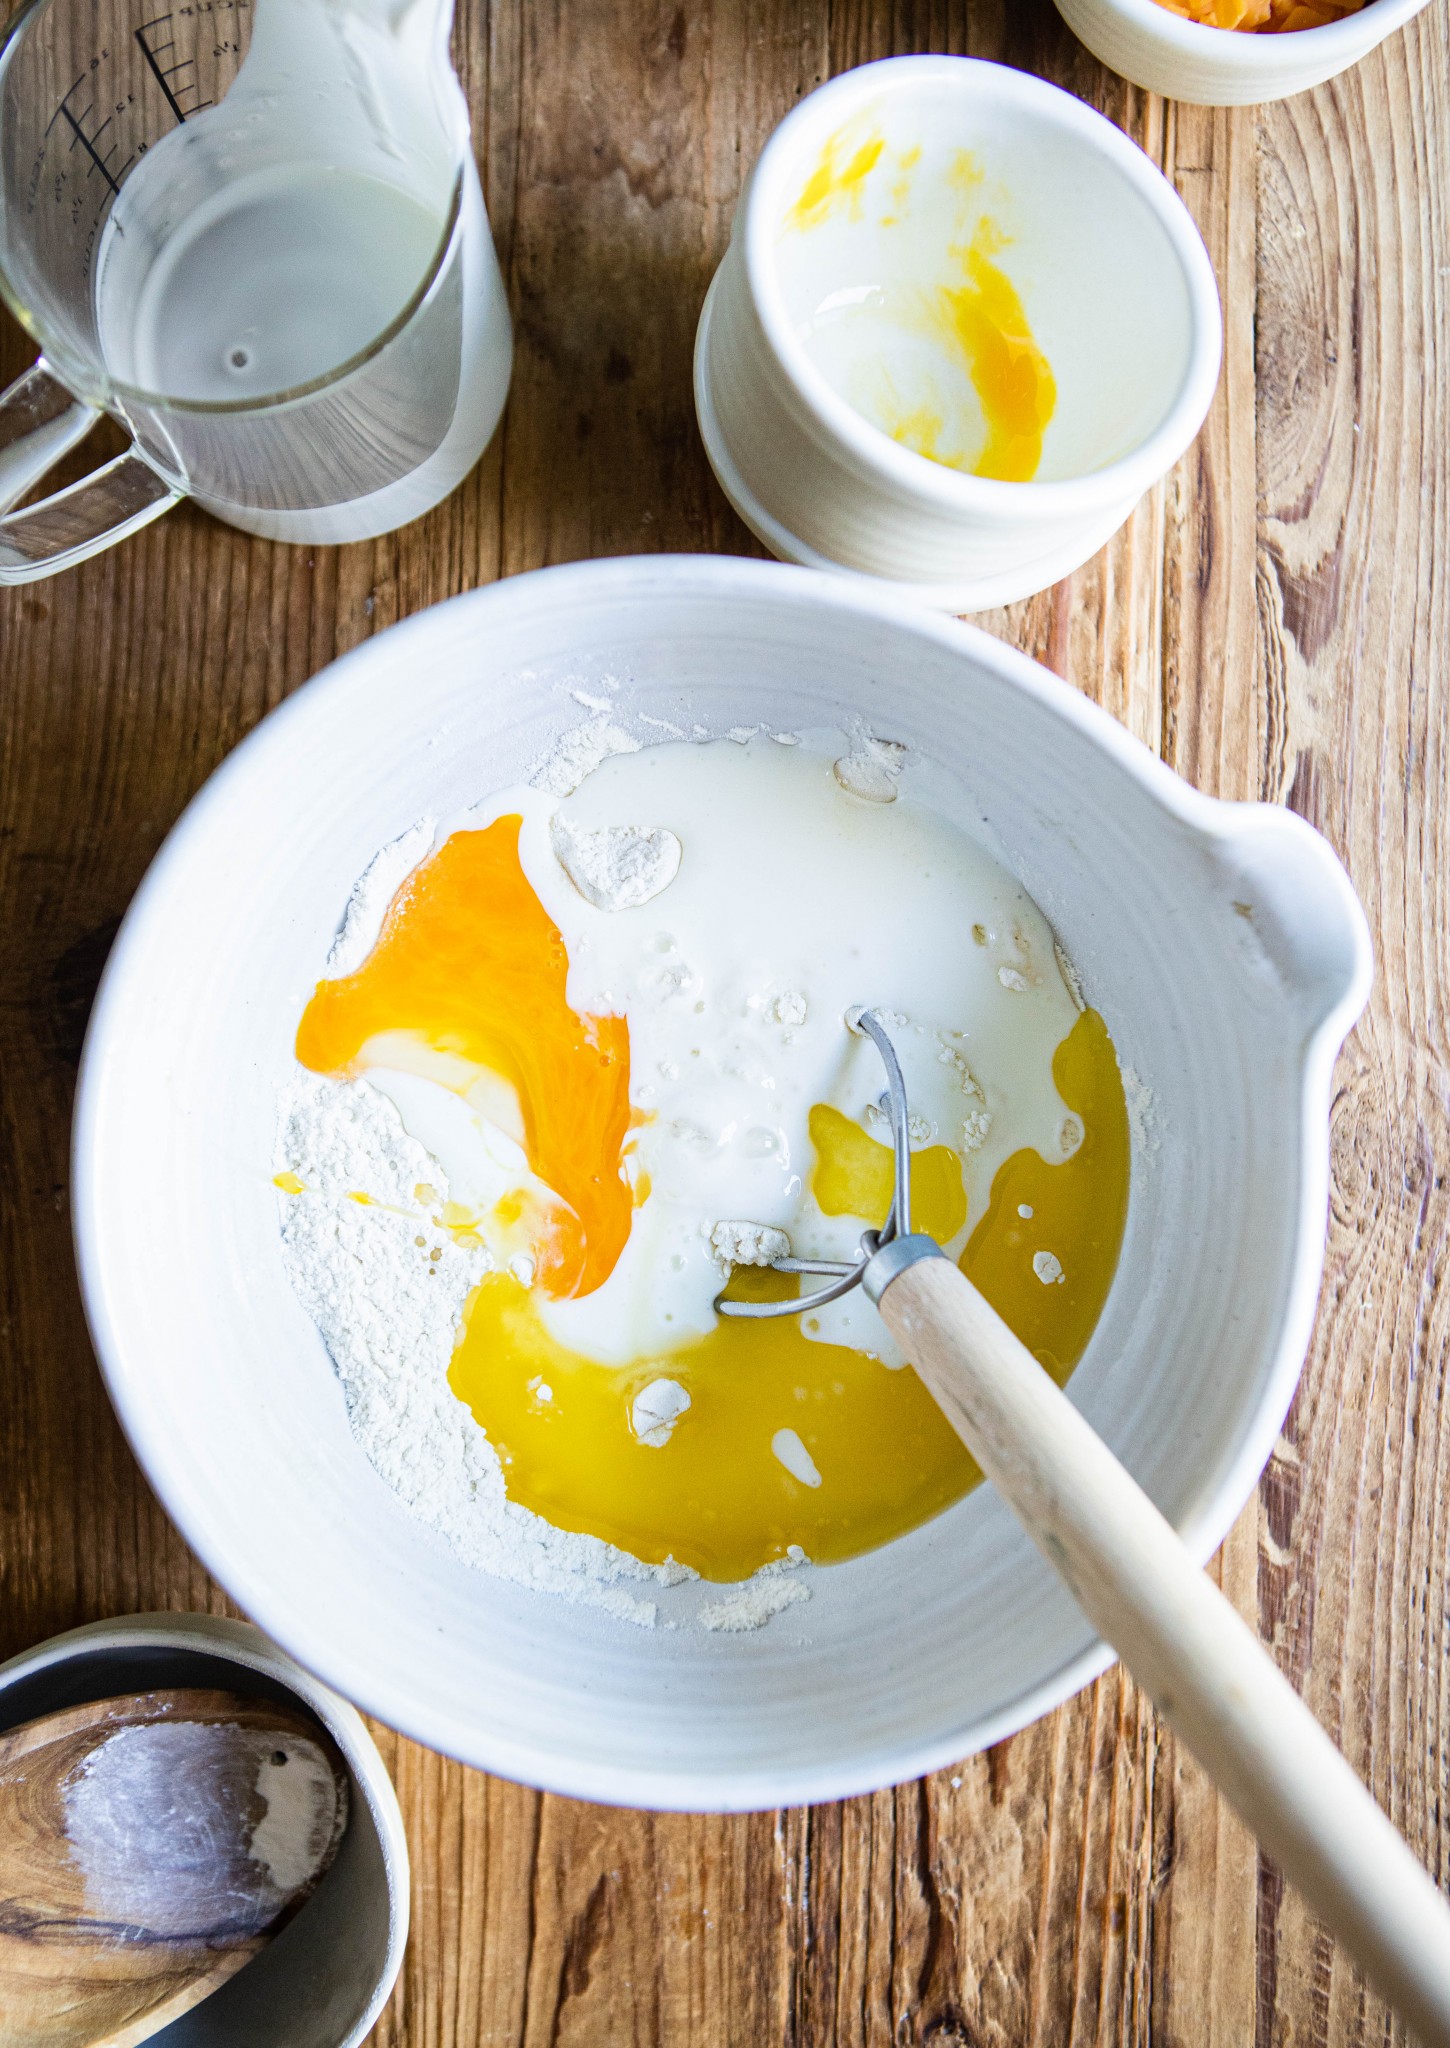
column 752, row 1605
column 387, row 1291
column 380, row 882
column 1144, row 1117
column 577, row 754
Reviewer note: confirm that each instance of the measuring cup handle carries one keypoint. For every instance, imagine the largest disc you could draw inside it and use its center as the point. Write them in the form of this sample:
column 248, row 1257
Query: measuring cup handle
column 40, row 421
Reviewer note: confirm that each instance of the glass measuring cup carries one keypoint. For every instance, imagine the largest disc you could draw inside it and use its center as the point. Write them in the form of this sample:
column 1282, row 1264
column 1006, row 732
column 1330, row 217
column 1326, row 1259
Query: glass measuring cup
column 254, row 234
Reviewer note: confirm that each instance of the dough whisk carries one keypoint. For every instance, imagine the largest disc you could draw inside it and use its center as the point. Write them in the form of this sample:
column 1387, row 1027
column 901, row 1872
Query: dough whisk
column 1128, row 1569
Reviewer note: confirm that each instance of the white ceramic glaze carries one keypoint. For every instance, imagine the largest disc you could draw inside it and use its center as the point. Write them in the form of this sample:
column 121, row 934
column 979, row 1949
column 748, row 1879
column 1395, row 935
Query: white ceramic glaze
column 1223, row 943
column 1216, row 67
column 324, row 1981
column 1117, row 286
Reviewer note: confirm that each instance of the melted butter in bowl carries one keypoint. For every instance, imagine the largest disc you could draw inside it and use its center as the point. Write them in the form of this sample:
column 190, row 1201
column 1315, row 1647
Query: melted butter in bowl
column 716, row 1493
column 598, row 1085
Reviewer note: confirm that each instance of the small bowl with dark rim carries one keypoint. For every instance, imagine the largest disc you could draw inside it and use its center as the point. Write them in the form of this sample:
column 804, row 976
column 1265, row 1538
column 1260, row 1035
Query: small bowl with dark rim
column 325, row 1978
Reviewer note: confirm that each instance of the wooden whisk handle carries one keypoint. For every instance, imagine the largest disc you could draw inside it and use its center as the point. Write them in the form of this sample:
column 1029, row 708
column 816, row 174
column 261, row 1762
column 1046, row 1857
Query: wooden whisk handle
column 1206, row 1671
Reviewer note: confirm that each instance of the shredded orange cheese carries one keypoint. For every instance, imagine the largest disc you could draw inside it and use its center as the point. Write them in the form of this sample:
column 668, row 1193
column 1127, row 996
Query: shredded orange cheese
column 1263, row 17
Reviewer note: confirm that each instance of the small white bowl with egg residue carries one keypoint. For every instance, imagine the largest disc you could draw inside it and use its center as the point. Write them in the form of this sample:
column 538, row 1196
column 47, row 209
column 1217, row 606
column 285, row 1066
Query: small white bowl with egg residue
column 963, row 324
column 1222, row 943
column 324, row 1980
column 1219, row 67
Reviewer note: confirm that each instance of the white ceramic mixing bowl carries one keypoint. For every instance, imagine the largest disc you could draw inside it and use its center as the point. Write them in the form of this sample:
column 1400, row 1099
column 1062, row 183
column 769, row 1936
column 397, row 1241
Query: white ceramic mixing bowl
column 1223, row 944
column 1111, row 271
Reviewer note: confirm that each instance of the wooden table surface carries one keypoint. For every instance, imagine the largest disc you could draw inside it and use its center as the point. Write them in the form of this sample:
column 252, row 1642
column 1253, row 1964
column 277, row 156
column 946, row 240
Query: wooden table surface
column 1275, row 621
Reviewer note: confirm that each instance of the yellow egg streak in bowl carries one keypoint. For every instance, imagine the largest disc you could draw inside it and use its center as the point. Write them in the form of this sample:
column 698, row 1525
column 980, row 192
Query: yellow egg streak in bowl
column 1222, row 945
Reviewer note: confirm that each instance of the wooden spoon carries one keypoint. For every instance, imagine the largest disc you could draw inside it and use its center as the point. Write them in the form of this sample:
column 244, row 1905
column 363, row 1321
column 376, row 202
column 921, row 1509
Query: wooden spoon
column 149, row 1847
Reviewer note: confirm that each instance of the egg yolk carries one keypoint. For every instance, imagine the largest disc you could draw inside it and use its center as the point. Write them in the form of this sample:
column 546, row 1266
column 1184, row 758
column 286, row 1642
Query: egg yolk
column 838, row 179
column 981, row 321
column 976, row 316
column 470, row 965
column 986, row 319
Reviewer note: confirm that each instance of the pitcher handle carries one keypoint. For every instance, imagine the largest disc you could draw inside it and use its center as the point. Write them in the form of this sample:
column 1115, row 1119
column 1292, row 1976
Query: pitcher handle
column 40, row 421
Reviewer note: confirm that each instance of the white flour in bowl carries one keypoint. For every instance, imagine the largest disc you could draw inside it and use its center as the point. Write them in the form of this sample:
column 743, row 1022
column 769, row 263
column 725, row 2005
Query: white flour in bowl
column 387, row 1291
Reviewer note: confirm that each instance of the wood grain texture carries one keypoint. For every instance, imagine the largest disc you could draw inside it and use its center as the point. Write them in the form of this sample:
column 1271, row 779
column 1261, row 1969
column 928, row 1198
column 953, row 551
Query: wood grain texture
column 1274, row 619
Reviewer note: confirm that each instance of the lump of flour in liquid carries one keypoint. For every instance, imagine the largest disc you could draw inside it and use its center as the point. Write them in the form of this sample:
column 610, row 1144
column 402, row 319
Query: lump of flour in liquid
column 1048, row 1268
column 748, row 1244
column 873, row 767
column 657, row 1408
column 619, row 867
column 797, row 1460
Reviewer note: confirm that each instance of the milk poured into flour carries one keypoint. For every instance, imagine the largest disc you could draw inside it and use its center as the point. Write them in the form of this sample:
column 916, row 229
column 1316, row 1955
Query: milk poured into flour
column 613, row 1025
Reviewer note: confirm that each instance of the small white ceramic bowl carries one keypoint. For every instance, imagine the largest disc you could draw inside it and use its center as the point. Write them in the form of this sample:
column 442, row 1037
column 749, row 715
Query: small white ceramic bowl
column 1217, row 67
column 1223, row 943
column 326, row 1978
column 1113, row 275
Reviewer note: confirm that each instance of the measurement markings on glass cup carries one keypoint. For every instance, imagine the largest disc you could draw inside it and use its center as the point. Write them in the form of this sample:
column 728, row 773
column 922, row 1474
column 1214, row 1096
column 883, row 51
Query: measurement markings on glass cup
column 93, row 131
column 99, row 116
column 172, row 77
column 90, row 142
column 165, row 74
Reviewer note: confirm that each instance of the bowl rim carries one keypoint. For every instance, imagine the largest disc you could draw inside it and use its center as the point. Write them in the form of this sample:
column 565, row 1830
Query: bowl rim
column 1344, row 39
column 836, row 423
column 373, row 1683
column 243, row 1644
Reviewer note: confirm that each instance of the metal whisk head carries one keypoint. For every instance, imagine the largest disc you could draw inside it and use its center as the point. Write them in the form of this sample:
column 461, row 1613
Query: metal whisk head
column 843, row 1276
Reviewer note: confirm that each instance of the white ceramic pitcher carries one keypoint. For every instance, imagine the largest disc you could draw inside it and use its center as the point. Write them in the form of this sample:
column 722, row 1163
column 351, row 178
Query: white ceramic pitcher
column 254, row 234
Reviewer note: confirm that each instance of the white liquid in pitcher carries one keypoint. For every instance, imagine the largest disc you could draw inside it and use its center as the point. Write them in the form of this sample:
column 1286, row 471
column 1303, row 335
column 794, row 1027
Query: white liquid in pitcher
column 272, row 282
column 266, row 244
